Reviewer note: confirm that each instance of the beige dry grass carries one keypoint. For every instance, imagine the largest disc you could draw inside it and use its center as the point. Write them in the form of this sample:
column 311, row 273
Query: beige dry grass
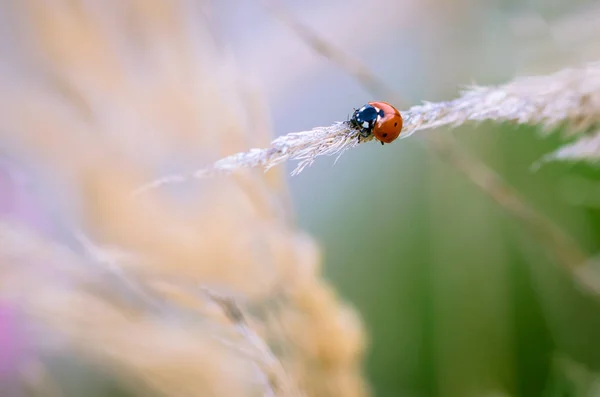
column 98, row 95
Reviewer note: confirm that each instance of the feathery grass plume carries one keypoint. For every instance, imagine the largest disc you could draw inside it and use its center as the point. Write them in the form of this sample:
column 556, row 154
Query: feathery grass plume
column 571, row 36
column 305, row 146
column 570, row 98
column 98, row 95
column 585, row 148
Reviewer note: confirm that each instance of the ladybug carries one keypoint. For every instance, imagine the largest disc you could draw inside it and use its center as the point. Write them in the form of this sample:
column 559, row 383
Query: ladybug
column 380, row 119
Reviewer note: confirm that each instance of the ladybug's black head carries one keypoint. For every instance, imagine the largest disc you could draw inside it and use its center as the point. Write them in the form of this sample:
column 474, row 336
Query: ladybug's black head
column 365, row 119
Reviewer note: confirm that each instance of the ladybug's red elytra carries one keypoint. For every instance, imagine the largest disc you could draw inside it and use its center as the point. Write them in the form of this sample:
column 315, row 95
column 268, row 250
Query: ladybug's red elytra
column 380, row 119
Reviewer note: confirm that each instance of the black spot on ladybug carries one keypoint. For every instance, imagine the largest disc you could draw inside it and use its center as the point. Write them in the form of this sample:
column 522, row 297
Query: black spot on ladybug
column 396, row 124
column 384, row 135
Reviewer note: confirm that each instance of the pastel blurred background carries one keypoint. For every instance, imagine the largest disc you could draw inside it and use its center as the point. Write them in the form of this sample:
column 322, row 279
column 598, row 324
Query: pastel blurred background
column 456, row 296
column 458, row 299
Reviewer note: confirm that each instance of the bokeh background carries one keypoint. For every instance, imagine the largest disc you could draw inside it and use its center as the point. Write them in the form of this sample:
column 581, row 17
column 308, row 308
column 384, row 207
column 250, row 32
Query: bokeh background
column 457, row 297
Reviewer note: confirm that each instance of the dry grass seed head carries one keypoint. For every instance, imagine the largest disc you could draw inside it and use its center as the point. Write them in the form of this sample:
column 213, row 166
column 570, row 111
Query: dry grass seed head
column 568, row 98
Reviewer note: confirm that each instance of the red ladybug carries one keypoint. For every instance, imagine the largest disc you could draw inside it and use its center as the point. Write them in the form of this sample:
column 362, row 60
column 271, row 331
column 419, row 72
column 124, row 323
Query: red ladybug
column 380, row 119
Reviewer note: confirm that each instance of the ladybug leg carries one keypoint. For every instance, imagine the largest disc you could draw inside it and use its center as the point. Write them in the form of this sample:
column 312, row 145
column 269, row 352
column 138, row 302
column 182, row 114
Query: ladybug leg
column 365, row 133
column 381, row 143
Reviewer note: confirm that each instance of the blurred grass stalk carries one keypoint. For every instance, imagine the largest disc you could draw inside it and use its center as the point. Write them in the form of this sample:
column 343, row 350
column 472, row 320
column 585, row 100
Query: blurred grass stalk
column 95, row 97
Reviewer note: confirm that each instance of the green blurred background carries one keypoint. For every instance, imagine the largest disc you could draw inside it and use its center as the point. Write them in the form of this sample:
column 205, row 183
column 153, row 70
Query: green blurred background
column 459, row 299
